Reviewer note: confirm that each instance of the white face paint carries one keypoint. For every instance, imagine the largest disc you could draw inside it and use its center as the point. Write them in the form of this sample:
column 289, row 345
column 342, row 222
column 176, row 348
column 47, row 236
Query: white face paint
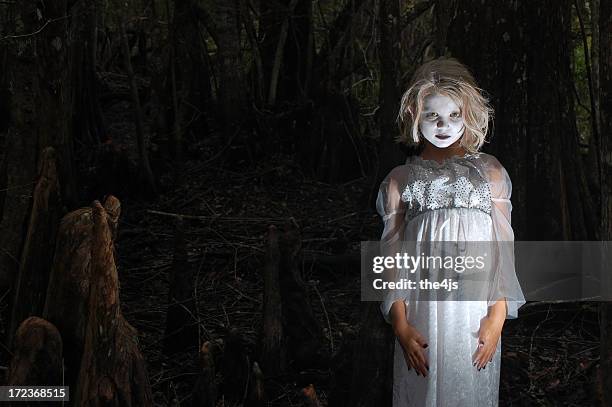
column 441, row 122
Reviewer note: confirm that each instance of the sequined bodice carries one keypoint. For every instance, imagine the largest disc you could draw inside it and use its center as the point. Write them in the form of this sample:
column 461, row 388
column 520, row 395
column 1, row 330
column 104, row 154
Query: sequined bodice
column 454, row 183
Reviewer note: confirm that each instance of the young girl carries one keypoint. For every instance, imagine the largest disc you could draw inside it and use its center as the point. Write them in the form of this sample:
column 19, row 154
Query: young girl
column 448, row 353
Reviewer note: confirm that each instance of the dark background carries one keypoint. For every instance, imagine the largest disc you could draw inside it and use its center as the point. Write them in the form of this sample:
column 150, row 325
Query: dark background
column 247, row 136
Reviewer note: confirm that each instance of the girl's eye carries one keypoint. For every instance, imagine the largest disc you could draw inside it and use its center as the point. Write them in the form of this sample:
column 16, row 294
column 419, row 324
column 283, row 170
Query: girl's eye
column 455, row 115
column 431, row 115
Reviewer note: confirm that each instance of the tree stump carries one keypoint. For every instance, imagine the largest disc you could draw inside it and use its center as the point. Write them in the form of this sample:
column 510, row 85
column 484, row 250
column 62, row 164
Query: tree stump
column 37, row 255
column 235, row 369
column 66, row 305
column 204, row 392
column 257, row 390
column 271, row 342
column 372, row 373
column 112, row 370
column 342, row 365
column 310, row 398
column 37, row 355
column 307, row 346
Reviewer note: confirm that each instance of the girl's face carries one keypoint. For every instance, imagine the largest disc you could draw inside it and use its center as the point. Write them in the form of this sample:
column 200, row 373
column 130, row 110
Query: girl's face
column 441, row 122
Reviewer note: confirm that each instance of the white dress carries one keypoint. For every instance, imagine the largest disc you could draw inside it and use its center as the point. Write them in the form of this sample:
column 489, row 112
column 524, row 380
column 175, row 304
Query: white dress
column 464, row 198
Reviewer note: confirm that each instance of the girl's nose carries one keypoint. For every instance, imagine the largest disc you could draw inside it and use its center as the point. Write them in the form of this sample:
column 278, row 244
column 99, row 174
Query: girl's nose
column 441, row 123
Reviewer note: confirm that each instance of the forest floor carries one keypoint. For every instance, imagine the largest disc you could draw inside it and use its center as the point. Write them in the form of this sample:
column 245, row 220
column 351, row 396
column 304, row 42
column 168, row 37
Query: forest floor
column 550, row 353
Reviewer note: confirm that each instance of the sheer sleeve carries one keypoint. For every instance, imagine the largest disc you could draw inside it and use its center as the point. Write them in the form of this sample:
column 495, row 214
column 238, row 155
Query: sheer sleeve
column 504, row 282
column 392, row 209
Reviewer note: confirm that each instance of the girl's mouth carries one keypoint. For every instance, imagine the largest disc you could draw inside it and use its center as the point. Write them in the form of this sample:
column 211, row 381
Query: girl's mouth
column 442, row 136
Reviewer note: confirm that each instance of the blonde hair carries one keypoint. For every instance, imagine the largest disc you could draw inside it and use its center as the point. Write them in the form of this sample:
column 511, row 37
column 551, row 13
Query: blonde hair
column 449, row 77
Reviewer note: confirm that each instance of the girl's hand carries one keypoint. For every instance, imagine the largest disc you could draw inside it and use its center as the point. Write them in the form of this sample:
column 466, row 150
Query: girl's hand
column 413, row 345
column 488, row 337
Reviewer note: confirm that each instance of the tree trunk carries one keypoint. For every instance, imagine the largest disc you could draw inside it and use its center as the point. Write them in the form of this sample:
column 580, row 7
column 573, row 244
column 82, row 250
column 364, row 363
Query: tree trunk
column 390, row 91
column 20, row 148
column 112, row 370
column 605, row 113
column 189, row 76
column 66, row 305
column 55, row 96
column 37, row 256
column 328, row 141
column 258, row 79
column 594, row 23
column 279, row 54
column 272, row 350
column 592, row 158
column 605, row 117
column 231, row 79
column 144, row 168
column 327, row 65
column 271, row 16
column 298, row 54
column 88, row 122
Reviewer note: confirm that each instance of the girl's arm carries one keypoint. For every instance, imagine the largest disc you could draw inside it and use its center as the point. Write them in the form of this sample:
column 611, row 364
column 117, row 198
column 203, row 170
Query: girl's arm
column 498, row 311
column 410, row 339
column 398, row 317
column 392, row 210
column 505, row 295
